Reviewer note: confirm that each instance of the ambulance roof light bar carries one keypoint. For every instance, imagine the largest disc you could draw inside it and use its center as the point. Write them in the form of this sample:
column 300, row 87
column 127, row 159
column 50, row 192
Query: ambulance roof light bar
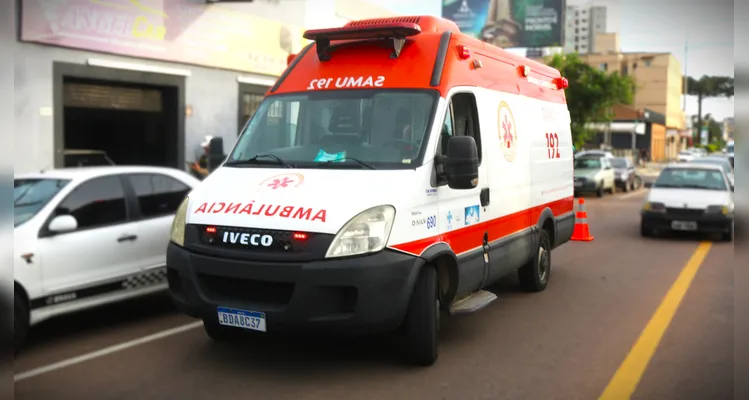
column 396, row 32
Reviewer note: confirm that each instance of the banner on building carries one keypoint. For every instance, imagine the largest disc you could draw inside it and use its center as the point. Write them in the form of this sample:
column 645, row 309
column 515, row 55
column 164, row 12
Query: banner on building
column 182, row 31
column 509, row 23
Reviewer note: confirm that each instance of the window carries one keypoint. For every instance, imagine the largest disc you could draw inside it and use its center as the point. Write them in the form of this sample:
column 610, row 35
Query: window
column 96, row 203
column 647, row 61
column 382, row 128
column 31, row 195
column 604, row 67
column 250, row 100
column 461, row 120
column 588, row 163
column 158, row 195
column 685, row 178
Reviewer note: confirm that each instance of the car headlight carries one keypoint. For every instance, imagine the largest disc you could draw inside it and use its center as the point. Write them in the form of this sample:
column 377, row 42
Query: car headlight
column 716, row 209
column 368, row 232
column 177, row 234
column 654, row 207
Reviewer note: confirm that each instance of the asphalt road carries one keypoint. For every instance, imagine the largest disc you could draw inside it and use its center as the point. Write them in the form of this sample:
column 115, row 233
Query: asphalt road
column 567, row 342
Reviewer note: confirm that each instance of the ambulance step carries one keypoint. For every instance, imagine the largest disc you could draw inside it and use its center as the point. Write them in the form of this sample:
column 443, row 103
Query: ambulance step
column 472, row 303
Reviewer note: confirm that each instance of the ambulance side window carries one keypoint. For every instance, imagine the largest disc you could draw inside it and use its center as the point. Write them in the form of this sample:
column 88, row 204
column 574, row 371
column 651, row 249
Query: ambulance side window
column 462, row 119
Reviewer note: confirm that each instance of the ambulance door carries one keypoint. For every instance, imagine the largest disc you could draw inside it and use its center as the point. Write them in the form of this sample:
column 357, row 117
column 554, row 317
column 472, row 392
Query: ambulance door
column 462, row 215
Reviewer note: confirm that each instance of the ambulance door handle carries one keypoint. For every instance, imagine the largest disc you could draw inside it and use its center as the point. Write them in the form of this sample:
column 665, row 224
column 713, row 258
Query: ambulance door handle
column 484, row 197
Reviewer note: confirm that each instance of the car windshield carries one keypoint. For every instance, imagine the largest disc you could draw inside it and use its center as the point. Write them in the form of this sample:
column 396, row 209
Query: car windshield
column 586, row 163
column 376, row 129
column 30, row 195
column 686, row 153
column 691, row 178
column 619, row 163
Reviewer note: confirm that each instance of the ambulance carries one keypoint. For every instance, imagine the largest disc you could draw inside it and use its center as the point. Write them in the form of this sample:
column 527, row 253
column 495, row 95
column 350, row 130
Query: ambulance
column 394, row 172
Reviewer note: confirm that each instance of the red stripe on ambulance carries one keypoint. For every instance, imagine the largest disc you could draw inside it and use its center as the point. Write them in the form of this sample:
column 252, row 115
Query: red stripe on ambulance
column 468, row 238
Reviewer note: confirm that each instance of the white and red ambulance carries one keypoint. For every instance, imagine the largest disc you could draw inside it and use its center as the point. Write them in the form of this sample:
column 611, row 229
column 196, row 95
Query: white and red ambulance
column 394, row 171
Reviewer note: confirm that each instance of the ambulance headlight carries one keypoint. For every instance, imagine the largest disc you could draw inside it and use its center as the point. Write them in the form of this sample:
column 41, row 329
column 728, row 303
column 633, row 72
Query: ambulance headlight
column 368, row 232
column 177, row 235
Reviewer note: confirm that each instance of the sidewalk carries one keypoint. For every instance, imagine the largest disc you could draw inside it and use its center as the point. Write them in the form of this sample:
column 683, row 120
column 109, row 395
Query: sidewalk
column 651, row 169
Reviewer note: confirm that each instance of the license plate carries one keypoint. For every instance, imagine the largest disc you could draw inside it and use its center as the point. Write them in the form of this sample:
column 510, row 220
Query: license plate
column 684, row 225
column 251, row 320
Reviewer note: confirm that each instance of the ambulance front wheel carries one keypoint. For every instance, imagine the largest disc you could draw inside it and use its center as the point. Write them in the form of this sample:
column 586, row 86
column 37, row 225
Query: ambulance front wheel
column 422, row 320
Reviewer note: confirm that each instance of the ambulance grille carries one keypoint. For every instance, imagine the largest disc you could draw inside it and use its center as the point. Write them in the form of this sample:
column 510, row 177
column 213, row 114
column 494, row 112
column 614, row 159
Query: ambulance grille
column 379, row 21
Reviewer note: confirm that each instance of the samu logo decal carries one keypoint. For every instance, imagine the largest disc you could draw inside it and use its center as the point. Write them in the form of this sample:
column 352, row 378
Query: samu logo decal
column 508, row 136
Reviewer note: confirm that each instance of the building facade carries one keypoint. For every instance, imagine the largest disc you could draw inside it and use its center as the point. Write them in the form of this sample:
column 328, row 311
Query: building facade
column 657, row 76
column 582, row 25
column 150, row 83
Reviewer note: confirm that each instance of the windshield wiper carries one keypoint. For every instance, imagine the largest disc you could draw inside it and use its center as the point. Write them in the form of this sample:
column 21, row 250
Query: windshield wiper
column 360, row 162
column 257, row 160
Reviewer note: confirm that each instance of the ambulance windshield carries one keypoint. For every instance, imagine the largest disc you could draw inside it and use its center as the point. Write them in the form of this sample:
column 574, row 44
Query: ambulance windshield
column 384, row 129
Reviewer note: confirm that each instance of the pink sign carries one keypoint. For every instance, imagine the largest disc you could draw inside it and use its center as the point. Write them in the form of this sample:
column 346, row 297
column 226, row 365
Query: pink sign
column 183, row 31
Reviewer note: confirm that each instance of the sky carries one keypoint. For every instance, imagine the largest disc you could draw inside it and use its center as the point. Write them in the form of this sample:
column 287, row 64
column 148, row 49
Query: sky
column 704, row 26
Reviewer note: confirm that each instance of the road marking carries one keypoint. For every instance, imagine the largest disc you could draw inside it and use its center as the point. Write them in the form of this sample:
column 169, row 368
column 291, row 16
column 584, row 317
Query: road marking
column 627, row 377
column 106, row 351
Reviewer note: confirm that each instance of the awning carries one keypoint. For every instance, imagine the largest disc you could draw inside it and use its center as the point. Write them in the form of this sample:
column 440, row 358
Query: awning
column 620, row 127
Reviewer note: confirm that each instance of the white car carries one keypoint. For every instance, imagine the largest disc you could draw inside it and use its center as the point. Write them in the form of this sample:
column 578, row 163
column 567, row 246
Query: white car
column 595, row 153
column 88, row 236
column 686, row 156
column 690, row 197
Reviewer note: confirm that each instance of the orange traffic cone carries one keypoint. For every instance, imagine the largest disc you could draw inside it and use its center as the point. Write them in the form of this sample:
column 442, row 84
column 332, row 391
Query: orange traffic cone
column 581, row 232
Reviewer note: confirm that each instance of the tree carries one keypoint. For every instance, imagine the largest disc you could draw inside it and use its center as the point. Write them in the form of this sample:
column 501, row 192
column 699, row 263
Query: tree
column 714, row 130
column 706, row 87
column 591, row 94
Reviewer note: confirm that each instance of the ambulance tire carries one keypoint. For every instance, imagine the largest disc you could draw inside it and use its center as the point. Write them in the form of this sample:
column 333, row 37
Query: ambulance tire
column 422, row 320
column 534, row 276
column 220, row 333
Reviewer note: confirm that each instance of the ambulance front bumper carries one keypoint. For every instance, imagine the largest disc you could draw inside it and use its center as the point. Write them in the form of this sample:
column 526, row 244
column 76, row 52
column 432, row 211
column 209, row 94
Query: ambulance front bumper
column 366, row 294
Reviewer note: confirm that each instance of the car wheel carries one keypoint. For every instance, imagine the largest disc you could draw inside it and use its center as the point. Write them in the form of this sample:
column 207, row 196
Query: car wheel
column 627, row 186
column 534, row 276
column 645, row 231
column 20, row 322
column 422, row 320
column 599, row 191
column 220, row 333
column 728, row 236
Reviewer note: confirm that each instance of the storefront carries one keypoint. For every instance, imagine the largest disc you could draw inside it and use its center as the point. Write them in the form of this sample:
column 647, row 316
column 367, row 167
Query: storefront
column 143, row 84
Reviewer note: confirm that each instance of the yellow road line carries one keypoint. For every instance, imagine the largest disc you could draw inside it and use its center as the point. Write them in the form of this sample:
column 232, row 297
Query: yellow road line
column 627, row 377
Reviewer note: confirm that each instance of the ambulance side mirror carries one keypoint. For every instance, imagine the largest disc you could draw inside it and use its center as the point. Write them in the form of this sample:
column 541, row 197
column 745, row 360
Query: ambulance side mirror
column 461, row 164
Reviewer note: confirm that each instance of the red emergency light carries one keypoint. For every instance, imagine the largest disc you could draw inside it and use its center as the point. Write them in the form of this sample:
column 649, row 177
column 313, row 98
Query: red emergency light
column 524, row 70
column 397, row 32
column 463, row 52
column 300, row 236
column 561, row 83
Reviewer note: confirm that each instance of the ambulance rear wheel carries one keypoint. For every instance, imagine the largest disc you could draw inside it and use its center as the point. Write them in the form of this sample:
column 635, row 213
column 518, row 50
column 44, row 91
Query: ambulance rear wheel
column 220, row 333
column 534, row 276
column 422, row 320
